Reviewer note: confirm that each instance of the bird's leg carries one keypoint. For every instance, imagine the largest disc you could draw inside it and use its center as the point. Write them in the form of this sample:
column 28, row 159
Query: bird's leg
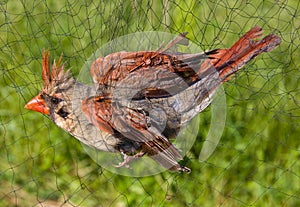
column 127, row 159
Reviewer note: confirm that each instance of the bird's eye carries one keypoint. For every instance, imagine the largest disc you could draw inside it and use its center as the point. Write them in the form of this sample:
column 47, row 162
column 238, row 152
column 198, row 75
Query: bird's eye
column 55, row 100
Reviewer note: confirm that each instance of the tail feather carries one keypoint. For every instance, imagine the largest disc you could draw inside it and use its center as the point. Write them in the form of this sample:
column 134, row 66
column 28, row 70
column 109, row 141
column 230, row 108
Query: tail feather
column 229, row 61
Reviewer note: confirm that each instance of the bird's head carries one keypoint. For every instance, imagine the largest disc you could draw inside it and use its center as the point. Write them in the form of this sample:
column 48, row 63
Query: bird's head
column 57, row 84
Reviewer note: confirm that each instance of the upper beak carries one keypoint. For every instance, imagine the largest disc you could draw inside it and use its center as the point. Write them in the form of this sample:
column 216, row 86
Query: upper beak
column 38, row 104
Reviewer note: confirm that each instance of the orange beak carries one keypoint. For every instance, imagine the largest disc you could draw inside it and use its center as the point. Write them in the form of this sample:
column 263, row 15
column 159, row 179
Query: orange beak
column 38, row 104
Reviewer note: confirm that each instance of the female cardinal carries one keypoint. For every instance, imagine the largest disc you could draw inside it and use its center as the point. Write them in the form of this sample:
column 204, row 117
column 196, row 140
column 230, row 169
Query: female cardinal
column 143, row 98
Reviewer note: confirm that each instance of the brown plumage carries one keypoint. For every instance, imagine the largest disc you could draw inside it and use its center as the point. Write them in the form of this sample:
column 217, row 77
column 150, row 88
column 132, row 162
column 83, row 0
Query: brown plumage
column 115, row 116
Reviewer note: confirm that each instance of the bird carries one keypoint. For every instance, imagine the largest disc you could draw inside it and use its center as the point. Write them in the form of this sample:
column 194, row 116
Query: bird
column 140, row 100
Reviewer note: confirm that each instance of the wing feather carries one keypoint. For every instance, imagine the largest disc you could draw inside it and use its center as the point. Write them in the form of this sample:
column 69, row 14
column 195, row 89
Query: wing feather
column 132, row 124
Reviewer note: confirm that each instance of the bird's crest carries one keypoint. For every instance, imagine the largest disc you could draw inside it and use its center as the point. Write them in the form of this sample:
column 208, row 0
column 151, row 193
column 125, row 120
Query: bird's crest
column 55, row 75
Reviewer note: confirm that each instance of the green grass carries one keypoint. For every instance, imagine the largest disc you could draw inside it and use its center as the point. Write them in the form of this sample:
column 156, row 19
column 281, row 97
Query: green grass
column 256, row 162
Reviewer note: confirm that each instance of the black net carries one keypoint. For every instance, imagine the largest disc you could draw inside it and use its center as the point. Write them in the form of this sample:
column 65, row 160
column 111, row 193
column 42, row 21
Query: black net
column 256, row 162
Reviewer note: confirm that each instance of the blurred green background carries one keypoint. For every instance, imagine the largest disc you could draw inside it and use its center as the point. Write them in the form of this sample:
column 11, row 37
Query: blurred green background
column 257, row 160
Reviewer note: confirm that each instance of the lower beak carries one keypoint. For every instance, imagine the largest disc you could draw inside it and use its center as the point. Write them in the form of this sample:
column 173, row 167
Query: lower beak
column 38, row 104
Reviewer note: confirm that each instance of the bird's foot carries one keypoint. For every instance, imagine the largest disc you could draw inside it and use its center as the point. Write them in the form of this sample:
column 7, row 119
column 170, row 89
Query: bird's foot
column 127, row 159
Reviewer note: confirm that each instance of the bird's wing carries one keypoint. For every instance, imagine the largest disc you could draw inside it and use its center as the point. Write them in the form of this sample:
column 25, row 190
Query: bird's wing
column 163, row 66
column 134, row 125
column 115, row 67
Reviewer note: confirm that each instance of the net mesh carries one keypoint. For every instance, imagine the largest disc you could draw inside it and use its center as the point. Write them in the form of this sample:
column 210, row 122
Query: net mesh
column 256, row 162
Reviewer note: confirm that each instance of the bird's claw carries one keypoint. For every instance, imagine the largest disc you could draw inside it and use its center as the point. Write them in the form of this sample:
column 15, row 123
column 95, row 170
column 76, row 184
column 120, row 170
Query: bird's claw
column 127, row 159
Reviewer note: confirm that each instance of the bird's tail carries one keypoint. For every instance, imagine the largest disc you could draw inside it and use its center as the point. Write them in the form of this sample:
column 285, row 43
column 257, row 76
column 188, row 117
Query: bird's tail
column 229, row 61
